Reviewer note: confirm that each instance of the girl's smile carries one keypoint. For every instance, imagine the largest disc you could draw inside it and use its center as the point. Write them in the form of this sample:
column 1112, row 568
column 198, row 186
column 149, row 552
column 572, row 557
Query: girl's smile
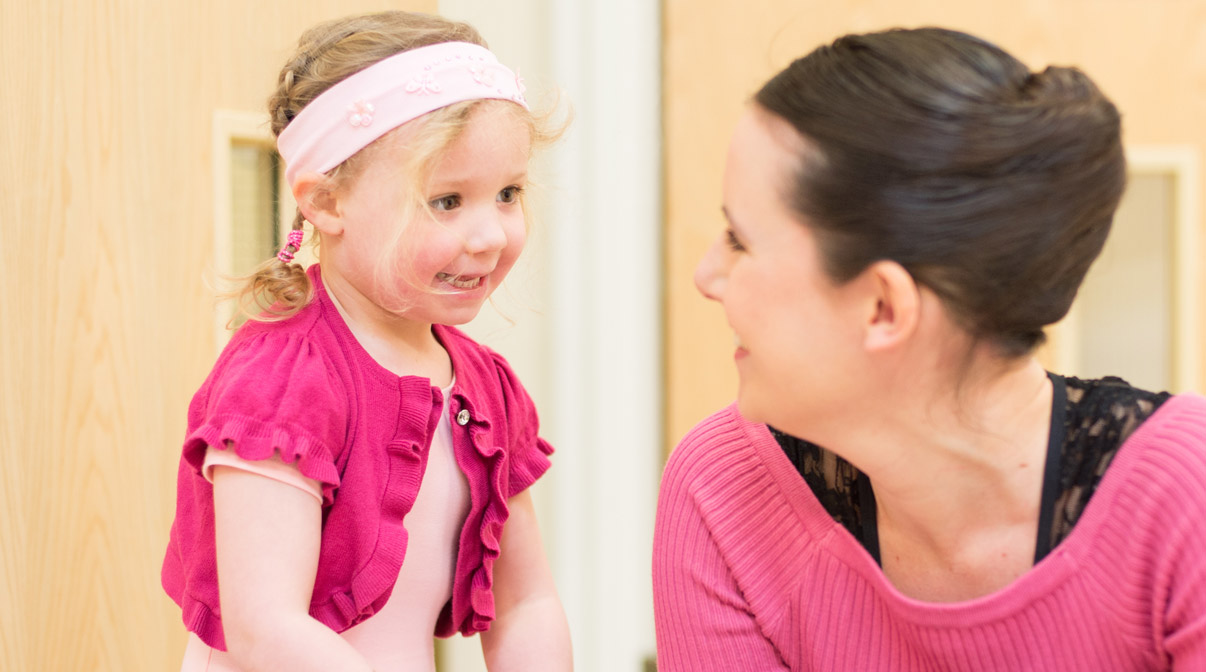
column 459, row 282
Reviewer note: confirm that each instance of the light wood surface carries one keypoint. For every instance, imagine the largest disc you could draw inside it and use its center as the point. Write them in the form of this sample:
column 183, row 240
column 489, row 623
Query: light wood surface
column 106, row 238
column 1148, row 55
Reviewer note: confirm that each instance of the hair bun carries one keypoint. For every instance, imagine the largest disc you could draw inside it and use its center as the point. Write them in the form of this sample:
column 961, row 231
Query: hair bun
column 993, row 185
column 1061, row 83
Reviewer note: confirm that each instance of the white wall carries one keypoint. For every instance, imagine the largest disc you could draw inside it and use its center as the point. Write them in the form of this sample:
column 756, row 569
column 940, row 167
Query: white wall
column 587, row 304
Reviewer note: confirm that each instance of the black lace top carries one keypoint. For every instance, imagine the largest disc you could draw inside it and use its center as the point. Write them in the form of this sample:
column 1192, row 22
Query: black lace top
column 1090, row 419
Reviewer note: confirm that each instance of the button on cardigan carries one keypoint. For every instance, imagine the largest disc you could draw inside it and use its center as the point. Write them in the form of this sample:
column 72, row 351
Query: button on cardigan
column 306, row 389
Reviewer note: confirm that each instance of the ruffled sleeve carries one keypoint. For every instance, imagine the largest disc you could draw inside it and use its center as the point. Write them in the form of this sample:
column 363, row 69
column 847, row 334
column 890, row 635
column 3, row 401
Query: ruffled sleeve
column 528, row 458
column 272, row 393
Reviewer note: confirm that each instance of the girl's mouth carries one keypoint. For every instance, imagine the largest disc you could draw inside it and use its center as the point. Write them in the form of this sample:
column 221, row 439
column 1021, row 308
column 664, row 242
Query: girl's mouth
column 459, row 282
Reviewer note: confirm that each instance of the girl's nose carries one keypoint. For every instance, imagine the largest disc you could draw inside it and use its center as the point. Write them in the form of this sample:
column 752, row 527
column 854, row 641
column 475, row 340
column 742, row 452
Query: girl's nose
column 710, row 274
column 488, row 234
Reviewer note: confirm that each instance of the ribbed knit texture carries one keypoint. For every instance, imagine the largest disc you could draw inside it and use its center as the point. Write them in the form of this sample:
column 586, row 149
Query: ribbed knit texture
column 751, row 573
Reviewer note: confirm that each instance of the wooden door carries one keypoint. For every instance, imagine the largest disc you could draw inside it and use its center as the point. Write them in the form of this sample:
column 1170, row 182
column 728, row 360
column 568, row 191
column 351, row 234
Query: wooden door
column 106, row 237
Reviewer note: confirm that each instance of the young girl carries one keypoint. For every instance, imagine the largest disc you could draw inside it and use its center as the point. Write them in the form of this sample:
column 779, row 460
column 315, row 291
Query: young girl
column 351, row 460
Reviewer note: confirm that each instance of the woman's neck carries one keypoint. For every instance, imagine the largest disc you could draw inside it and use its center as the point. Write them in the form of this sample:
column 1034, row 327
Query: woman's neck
column 403, row 347
column 957, row 475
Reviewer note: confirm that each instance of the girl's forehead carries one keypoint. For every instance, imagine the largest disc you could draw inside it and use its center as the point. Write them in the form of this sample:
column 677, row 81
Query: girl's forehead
column 490, row 138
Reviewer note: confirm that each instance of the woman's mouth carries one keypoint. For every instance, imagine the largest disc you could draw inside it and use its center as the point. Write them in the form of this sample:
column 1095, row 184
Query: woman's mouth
column 459, row 282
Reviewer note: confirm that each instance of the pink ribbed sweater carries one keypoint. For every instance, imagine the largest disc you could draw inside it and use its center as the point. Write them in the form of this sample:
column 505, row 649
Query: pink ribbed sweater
column 751, row 573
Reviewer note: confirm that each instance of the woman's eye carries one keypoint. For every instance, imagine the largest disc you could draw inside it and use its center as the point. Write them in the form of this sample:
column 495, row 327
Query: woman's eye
column 510, row 194
column 734, row 244
column 445, row 203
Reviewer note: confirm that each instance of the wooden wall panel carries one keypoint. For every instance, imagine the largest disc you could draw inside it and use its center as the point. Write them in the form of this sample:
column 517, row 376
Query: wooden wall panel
column 105, row 320
column 1148, row 55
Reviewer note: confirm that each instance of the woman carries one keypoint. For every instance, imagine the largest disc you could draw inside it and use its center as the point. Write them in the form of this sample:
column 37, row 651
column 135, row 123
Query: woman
column 901, row 485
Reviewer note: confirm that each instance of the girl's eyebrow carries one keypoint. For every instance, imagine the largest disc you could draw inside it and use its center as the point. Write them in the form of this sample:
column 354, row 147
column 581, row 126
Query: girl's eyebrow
column 457, row 182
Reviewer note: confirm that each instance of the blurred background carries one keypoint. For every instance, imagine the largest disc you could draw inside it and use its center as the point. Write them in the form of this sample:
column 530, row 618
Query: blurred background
column 136, row 167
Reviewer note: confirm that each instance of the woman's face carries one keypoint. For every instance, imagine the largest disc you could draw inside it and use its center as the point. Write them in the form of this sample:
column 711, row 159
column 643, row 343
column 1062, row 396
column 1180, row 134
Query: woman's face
column 797, row 333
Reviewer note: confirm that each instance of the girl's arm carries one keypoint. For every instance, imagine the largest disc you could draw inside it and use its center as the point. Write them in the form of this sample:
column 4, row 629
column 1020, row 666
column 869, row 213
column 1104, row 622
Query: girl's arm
column 530, row 633
column 268, row 535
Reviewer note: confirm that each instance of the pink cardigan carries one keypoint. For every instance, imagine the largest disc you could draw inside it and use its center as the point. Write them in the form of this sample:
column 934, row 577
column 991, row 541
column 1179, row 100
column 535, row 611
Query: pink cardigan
column 751, row 573
column 305, row 387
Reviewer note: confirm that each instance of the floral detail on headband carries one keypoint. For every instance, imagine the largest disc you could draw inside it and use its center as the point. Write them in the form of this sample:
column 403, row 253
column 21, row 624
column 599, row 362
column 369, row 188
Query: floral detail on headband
column 519, row 85
column 356, row 111
column 294, row 240
column 424, row 83
column 481, row 75
column 360, row 113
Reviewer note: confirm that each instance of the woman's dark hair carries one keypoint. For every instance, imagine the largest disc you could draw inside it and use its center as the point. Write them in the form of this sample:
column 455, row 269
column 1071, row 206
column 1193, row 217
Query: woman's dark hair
column 992, row 185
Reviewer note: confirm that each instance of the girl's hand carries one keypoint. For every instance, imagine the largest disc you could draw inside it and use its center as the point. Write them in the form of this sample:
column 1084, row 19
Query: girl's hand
column 530, row 632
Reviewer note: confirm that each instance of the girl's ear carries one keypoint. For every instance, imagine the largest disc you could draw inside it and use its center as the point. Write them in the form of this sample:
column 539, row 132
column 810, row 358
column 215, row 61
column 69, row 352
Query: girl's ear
column 896, row 311
column 318, row 204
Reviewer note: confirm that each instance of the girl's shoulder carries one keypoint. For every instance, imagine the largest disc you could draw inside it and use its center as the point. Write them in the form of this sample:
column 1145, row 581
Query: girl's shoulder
column 286, row 373
column 479, row 366
column 277, row 388
column 306, row 336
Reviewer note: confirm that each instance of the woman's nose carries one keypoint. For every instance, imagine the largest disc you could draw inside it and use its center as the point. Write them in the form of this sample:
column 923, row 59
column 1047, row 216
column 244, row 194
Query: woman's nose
column 709, row 274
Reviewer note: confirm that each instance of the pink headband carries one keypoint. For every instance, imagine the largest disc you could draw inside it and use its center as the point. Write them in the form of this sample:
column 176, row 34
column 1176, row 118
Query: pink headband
column 366, row 105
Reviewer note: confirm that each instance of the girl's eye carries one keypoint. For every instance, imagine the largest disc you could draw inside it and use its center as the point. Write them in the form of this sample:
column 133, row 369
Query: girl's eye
column 510, row 194
column 446, row 203
column 734, row 244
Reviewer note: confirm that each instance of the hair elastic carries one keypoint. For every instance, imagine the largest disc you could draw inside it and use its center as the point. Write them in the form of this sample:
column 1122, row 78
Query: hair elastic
column 366, row 105
column 295, row 240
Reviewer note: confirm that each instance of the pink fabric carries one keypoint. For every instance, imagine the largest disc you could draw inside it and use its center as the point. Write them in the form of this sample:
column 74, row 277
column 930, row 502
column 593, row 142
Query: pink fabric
column 272, row 467
column 364, row 106
column 305, row 388
column 399, row 637
column 751, row 573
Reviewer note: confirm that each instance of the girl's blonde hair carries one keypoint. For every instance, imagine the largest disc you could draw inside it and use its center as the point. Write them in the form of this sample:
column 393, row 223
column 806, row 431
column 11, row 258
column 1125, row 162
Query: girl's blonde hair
column 326, row 54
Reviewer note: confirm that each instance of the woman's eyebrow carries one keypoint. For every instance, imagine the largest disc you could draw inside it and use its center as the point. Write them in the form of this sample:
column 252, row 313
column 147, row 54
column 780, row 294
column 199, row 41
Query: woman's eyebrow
column 732, row 225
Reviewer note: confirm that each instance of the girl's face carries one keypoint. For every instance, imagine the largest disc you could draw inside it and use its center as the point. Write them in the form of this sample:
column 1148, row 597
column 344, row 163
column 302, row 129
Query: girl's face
column 796, row 332
column 449, row 264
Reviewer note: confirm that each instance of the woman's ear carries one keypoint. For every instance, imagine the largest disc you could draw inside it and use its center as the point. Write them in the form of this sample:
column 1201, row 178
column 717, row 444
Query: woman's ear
column 318, row 203
column 896, row 312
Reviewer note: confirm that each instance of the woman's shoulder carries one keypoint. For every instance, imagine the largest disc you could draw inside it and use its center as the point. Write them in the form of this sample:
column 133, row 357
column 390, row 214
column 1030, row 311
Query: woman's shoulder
column 724, row 431
column 1157, row 481
column 1174, row 438
column 1117, row 420
column 718, row 456
column 726, row 477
